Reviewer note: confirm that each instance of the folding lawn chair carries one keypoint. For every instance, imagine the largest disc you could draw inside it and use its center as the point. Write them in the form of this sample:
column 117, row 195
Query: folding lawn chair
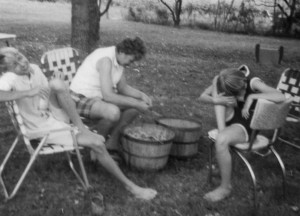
column 268, row 116
column 289, row 85
column 43, row 148
column 67, row 61
column 268, row 56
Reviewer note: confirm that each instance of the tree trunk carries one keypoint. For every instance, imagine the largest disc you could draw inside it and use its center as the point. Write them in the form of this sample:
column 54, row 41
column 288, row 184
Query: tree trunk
column 85, row 25
column 176, row 12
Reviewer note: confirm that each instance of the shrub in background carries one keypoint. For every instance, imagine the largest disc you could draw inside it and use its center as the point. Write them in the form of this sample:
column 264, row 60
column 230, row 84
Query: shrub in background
column 162, row 16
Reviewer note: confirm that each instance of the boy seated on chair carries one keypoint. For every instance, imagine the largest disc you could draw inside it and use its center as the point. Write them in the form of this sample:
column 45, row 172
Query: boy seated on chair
column 27, row 85
column 234, row 96
column 100, row 89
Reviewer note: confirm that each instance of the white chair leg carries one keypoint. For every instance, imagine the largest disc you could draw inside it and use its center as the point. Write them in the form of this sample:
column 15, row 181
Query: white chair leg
column 4, row 163
column 26, row 170
column 82, row 180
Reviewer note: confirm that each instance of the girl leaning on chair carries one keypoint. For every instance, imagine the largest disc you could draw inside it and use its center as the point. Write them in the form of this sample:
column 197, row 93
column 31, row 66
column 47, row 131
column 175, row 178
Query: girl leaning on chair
column 234, row 96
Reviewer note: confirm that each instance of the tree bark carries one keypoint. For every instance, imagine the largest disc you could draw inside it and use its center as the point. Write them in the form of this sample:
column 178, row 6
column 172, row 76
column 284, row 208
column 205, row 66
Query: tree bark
column 85, row 25
column 176, row 12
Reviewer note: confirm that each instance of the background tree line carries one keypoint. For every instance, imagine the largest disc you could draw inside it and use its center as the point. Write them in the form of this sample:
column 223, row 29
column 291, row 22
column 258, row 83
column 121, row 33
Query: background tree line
column 269, row 17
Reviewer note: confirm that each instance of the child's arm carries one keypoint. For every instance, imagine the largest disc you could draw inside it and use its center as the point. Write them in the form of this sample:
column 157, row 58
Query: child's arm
column 216, row 99
column 13, row 95
column 264, row 92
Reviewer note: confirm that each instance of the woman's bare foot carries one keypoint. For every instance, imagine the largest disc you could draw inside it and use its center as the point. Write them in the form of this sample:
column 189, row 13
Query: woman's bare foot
column 218, row 194
column 143, row 193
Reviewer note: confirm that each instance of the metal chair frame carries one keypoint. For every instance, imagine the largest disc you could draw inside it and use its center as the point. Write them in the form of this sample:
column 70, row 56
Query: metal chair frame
column 67, row 61
column 43, row 148
column 264, row 110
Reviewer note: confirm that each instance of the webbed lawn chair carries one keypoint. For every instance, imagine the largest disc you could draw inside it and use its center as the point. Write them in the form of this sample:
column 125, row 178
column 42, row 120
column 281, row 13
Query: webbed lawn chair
column 65, row 60
column 267, row 116
column 268, row 56
column 43, row 148
column 289, row 85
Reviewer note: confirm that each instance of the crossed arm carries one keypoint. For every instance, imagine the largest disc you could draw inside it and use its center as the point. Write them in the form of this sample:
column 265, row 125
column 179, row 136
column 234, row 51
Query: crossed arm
column 210, row 96
column 263, row 92
column 224, row 103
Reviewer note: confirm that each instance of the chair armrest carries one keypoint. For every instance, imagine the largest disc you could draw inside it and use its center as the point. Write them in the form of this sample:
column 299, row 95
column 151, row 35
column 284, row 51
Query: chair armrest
column 43, row 133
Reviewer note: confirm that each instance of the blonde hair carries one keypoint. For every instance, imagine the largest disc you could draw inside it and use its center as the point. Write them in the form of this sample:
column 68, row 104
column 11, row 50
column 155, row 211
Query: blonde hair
column 231, row 81
column 6, row 52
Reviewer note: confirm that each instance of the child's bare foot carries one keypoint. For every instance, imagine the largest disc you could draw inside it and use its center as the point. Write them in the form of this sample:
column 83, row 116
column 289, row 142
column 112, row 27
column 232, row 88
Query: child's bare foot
column 143, row 193
column 218, row 194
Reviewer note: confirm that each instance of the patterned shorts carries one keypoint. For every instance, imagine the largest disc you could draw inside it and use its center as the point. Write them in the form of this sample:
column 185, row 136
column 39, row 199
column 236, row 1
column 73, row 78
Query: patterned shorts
column 83, row 104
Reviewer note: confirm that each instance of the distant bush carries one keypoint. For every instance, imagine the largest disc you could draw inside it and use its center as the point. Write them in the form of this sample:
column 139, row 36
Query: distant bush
column 202, row 25
column 162, row 16
column 138, row 14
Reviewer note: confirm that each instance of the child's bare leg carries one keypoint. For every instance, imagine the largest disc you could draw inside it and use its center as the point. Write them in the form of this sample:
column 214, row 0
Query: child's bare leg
column 223, row 142
column 61, row 98
column 96, row 143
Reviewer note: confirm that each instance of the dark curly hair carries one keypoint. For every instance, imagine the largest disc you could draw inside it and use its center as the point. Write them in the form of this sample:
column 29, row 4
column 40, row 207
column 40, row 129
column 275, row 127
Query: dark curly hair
column 134, row 47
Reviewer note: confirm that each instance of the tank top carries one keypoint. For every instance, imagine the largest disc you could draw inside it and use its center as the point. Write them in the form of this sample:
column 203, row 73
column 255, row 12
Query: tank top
column 87, row 78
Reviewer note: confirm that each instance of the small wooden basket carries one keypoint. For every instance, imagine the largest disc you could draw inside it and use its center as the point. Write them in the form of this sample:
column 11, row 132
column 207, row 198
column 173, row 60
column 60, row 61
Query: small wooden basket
column 187, row 134
column 147, row 146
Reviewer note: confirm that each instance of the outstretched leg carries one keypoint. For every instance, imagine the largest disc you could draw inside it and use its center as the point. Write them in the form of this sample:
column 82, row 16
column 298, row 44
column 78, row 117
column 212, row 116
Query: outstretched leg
column 95, row 142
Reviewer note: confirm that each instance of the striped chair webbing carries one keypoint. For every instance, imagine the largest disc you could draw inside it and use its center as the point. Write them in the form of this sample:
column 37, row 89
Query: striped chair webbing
column 289, row 85
column 65, row 60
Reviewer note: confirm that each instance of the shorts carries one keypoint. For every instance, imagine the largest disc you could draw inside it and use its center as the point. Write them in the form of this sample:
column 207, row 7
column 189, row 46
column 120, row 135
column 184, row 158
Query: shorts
column 238, row 119
column 83, row 104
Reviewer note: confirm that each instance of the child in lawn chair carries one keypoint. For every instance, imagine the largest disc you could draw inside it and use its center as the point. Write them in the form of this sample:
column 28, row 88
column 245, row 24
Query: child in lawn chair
column 234, row 97
column 26, row 84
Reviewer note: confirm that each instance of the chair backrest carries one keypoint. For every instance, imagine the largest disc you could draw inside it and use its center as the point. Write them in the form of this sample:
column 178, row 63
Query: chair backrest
column 18, row 122
column 268, row 55
column 269, row 115
column 65, row 60
column 289, row 85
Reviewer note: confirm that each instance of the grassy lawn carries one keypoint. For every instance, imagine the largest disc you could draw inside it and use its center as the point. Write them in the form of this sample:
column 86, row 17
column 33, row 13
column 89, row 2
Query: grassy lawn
column 180, row 63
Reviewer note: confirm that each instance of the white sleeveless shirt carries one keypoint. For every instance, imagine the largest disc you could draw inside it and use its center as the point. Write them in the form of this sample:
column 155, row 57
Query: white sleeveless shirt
column 87, row 78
